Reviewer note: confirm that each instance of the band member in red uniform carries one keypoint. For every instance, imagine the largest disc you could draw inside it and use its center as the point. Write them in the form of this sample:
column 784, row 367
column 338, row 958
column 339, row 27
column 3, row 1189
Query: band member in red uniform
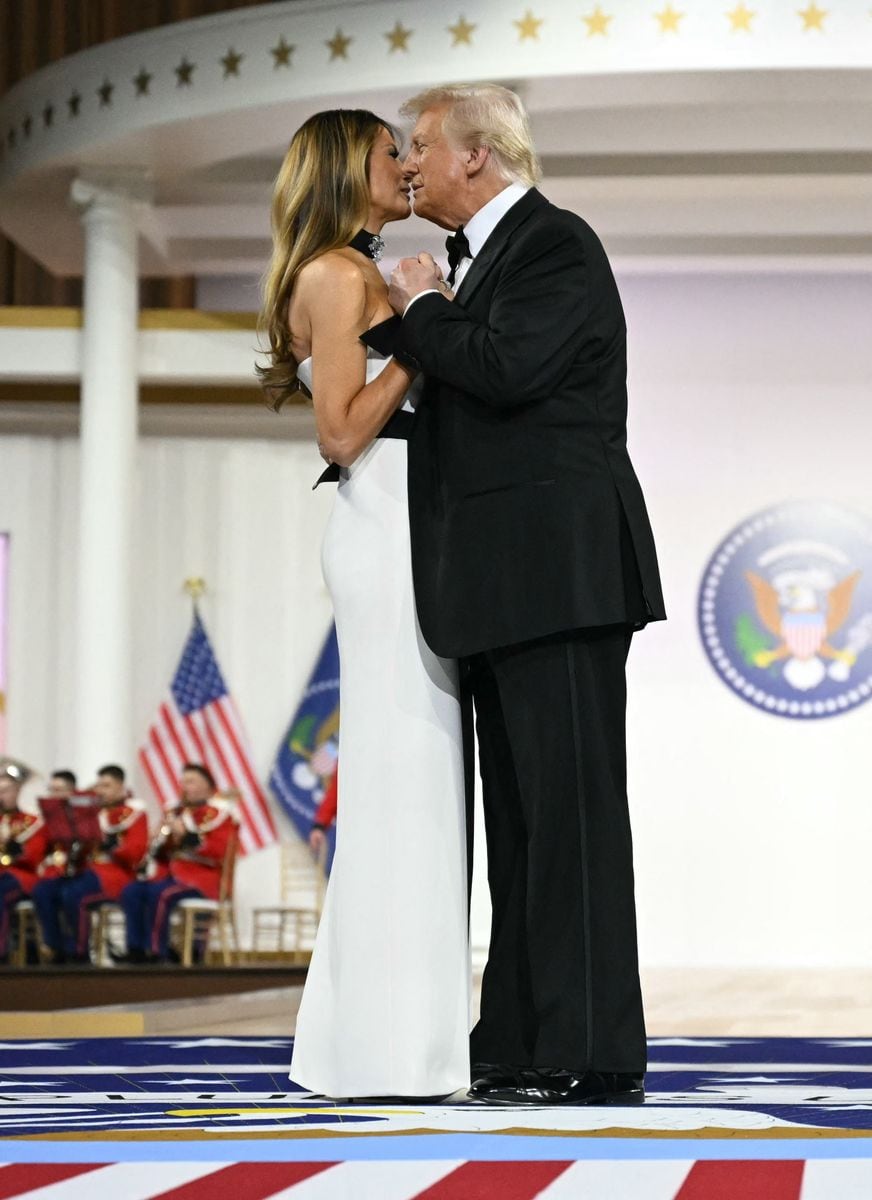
column 108, row 869
column 325, row 814
column 61, row 785
column 22, row 846
column 186, row 860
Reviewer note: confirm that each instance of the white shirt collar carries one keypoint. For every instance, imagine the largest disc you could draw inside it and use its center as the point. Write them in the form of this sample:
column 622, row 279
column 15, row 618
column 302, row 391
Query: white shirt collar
column 480, row 226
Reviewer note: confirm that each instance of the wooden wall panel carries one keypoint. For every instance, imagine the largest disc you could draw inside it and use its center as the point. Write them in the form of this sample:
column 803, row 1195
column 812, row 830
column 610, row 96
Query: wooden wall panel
column 34, row 33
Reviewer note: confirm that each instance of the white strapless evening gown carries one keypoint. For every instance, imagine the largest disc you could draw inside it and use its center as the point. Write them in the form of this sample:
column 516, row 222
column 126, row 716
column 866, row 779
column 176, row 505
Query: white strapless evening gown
column 386, row 1006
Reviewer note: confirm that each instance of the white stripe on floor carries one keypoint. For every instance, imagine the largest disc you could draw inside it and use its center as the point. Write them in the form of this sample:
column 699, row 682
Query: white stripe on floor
column 369, row 1181
column 634, row 1180
column 123, row 1181
column 829, row 1179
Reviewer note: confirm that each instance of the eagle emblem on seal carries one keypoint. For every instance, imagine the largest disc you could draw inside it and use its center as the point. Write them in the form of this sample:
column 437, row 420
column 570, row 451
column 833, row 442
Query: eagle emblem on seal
column 803, row 609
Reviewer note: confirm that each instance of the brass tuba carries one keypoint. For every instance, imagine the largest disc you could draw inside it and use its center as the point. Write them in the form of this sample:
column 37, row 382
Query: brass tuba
column 18, row 772
column 13, row 768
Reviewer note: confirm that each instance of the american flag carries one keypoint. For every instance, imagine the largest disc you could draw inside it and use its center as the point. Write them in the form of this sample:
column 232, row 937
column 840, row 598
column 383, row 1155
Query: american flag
column 198, row 722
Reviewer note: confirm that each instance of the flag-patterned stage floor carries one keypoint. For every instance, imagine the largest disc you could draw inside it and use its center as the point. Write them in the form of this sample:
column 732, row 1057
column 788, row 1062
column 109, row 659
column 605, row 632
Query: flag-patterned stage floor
column 778, row 1119
column 442, row 1180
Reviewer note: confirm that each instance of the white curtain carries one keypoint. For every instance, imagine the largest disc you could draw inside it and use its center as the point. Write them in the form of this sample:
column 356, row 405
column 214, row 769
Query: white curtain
column 241, row 514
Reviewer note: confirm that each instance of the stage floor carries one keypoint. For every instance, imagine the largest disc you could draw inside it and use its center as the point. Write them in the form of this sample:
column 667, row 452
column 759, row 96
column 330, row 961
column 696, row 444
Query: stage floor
column 187, row 1117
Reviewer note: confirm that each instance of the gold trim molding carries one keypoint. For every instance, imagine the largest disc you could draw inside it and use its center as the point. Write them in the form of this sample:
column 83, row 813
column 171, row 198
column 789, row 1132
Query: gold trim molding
column 25, row 317
column 151, row 394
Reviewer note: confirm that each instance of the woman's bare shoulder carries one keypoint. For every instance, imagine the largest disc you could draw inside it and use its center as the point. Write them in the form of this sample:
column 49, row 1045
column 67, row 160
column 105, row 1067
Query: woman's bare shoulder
column 332, row 267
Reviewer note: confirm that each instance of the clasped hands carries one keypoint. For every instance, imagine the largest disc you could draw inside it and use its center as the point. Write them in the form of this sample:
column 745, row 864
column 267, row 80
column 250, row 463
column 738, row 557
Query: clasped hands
column 412, row 276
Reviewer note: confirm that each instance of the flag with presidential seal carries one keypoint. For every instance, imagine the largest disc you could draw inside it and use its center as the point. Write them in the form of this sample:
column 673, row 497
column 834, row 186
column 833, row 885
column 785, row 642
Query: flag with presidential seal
column 307, row 756
column 785, row 609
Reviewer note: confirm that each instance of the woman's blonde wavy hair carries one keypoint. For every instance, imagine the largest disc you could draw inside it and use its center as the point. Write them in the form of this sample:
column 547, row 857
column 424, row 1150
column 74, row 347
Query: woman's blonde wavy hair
column 321, row 199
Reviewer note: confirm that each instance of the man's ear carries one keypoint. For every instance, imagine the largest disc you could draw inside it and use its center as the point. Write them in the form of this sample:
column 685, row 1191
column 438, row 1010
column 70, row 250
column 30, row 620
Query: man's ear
column 477, row 159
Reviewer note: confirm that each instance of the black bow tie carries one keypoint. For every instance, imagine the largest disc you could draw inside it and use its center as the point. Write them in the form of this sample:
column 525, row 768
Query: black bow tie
column 458, row 249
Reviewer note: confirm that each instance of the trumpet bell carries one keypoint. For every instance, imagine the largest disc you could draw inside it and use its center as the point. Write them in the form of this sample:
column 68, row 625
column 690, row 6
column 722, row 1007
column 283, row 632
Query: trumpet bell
column 13, row 768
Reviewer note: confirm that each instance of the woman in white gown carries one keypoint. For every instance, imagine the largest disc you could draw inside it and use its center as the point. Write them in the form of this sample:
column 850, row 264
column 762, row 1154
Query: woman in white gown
column 385, row 1009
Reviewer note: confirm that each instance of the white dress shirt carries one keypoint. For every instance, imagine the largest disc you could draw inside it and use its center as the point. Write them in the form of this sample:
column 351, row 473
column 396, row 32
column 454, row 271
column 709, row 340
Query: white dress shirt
column 478, row 229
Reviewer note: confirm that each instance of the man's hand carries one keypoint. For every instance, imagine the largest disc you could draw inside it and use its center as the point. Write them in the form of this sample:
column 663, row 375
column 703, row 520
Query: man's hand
column 411, row 276
column 317, row 838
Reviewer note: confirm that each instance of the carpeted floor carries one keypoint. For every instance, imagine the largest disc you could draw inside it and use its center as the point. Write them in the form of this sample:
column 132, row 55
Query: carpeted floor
column 137, row 1118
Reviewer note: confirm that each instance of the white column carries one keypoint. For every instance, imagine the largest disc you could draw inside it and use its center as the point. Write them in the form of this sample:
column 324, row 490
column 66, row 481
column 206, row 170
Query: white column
column 109, row 394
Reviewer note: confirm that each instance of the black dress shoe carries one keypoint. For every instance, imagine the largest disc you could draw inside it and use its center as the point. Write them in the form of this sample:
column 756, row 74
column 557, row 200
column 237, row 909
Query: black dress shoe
column 546, row 1086
column 131, row 957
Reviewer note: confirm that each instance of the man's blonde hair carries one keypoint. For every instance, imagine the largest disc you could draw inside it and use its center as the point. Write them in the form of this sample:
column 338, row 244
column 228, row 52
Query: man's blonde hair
column 484, row 114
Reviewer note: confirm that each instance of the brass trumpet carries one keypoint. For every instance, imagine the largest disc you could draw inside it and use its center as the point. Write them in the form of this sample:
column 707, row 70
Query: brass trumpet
column 160, row 840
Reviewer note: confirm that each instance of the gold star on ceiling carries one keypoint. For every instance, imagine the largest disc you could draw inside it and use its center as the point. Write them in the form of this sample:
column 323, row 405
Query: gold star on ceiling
column 230, row 62
column 528, row 26
column 282, row 53
column 741, row 18
column 813, row 17
column 104, row 91
column 461, row 32
column 597, row 22
column 669, row 19
column 184, row 72
column 74, row 104
column 142, row 82
column 338, row 45
column 398, row 38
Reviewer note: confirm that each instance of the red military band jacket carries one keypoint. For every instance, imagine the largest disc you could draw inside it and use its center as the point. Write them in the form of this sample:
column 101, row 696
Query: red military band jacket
column 326, row 813
column 23, row 842
column 125, row 828
column 199, row 864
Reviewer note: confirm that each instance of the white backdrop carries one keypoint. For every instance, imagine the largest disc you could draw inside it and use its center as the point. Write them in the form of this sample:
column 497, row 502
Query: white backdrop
column 752, row 832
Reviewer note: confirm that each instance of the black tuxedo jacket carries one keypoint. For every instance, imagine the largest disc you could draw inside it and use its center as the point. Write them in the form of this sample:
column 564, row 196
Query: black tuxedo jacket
column 526, row 515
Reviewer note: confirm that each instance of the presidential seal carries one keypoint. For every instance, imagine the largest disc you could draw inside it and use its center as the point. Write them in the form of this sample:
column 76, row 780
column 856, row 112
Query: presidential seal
column 785, row 609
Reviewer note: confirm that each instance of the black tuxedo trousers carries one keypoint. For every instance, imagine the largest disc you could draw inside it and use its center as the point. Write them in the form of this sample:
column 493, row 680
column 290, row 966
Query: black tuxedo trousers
column 561, row 986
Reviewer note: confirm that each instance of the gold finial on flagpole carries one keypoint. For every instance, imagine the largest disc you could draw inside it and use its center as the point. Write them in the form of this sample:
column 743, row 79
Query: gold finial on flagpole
column 195, row 586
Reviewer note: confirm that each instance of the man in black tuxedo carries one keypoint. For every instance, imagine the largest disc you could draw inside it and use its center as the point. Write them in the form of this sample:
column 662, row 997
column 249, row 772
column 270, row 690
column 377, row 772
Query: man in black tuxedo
column 533, row 563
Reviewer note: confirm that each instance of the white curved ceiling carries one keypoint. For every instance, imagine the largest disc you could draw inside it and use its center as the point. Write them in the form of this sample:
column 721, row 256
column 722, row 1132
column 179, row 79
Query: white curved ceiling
column 681, row 133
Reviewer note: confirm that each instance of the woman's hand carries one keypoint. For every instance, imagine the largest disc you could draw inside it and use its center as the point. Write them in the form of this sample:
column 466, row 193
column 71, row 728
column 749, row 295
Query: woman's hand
column 412, row 276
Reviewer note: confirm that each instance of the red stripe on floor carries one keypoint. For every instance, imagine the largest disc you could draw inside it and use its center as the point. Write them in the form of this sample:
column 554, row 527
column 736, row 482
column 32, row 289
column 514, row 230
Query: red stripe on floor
column 748, row 1180
column 24, row 1177
column 487, row 1180
column 244, row 1181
